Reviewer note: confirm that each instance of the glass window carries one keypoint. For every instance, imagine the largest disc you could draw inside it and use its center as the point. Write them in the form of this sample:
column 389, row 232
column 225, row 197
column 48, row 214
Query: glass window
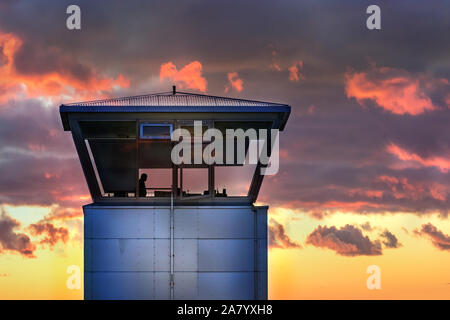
column 156, row 131
column 158, row 182
column 233, row 180
column 114, row 163
column 195, row 181
column 108, row 129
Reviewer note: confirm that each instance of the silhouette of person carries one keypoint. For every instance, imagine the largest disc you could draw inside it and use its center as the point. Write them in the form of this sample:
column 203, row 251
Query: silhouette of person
column 142, row 187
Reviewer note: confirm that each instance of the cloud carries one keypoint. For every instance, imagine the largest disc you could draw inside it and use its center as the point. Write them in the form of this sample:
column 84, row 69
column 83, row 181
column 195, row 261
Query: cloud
column 396, row 91
column 38, row 162
column 11, row 241
column 50, row 234
column 295, row 72
column 190, row 76
column 390, row 240
column 442, row 163
column 324, row 179
column 275, row 64
column 346, row 241
column 25, row 180
column 234, row 82
column 437, row 237
column 64, row 213
column 366, row 226
column 36, row 71
column 278, row 237
column 323, row 149
column 401, row 188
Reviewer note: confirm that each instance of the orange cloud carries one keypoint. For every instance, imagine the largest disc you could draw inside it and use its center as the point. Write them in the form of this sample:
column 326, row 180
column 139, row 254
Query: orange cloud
column 61, row 82
column 442, row 163
column 393, row 90
column 190, row 76
column 235, row 82
column 295, row 72
column 332, row 206
column 50, row 234
column 275, row 65
column 309, row 111
column 438, row 191
column 374, row 194
column 64, row 213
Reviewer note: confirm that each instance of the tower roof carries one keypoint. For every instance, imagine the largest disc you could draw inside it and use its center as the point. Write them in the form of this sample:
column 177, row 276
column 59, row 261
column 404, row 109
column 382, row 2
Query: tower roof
column 174, row 102
column 168, row 99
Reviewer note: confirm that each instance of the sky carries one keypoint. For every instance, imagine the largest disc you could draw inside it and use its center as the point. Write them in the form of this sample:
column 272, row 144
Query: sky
column 365, row 157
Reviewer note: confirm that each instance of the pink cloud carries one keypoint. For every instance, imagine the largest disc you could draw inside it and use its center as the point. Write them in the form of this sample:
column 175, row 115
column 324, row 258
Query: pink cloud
column 190, row 76
column 442, row 163
column 295, row 72
column 275, row 65
column 396, row 91
column 234, row 82
column 56, row 82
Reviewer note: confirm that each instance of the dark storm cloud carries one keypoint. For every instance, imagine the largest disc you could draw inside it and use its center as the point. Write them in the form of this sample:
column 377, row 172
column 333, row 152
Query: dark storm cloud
column 390, row 240
column 278, row 237
column 150, row 31
column 12, row 241
column 37, row 59
column 346, row 241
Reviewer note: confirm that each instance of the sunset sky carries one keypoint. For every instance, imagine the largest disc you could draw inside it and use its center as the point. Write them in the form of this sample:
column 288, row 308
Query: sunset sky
column 365, row 157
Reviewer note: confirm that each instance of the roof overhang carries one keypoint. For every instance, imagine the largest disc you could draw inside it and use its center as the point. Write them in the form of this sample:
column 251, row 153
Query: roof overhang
column 281, row 112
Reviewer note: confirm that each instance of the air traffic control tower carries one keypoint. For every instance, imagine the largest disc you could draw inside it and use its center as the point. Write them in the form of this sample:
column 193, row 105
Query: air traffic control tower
column 189, row 231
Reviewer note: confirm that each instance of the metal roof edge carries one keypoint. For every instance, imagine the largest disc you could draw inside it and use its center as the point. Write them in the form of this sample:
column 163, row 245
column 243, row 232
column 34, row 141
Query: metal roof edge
column 136, row 109
column 170, row 94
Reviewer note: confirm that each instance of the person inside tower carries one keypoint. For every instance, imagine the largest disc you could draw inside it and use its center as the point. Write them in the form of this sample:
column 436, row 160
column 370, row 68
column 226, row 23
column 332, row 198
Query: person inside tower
column 142, row 187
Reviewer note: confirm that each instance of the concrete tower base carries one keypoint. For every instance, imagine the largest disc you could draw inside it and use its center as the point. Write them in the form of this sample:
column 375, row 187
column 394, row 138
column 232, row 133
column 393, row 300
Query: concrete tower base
column 219, row 252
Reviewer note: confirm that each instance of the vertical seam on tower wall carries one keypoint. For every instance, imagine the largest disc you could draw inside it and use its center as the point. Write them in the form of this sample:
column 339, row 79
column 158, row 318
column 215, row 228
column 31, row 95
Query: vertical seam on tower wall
column 255, row 255
column 154, row 252
column 198, row 253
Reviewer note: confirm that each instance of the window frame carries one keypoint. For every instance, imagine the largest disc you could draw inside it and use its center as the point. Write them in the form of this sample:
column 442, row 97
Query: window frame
column 146, row 124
